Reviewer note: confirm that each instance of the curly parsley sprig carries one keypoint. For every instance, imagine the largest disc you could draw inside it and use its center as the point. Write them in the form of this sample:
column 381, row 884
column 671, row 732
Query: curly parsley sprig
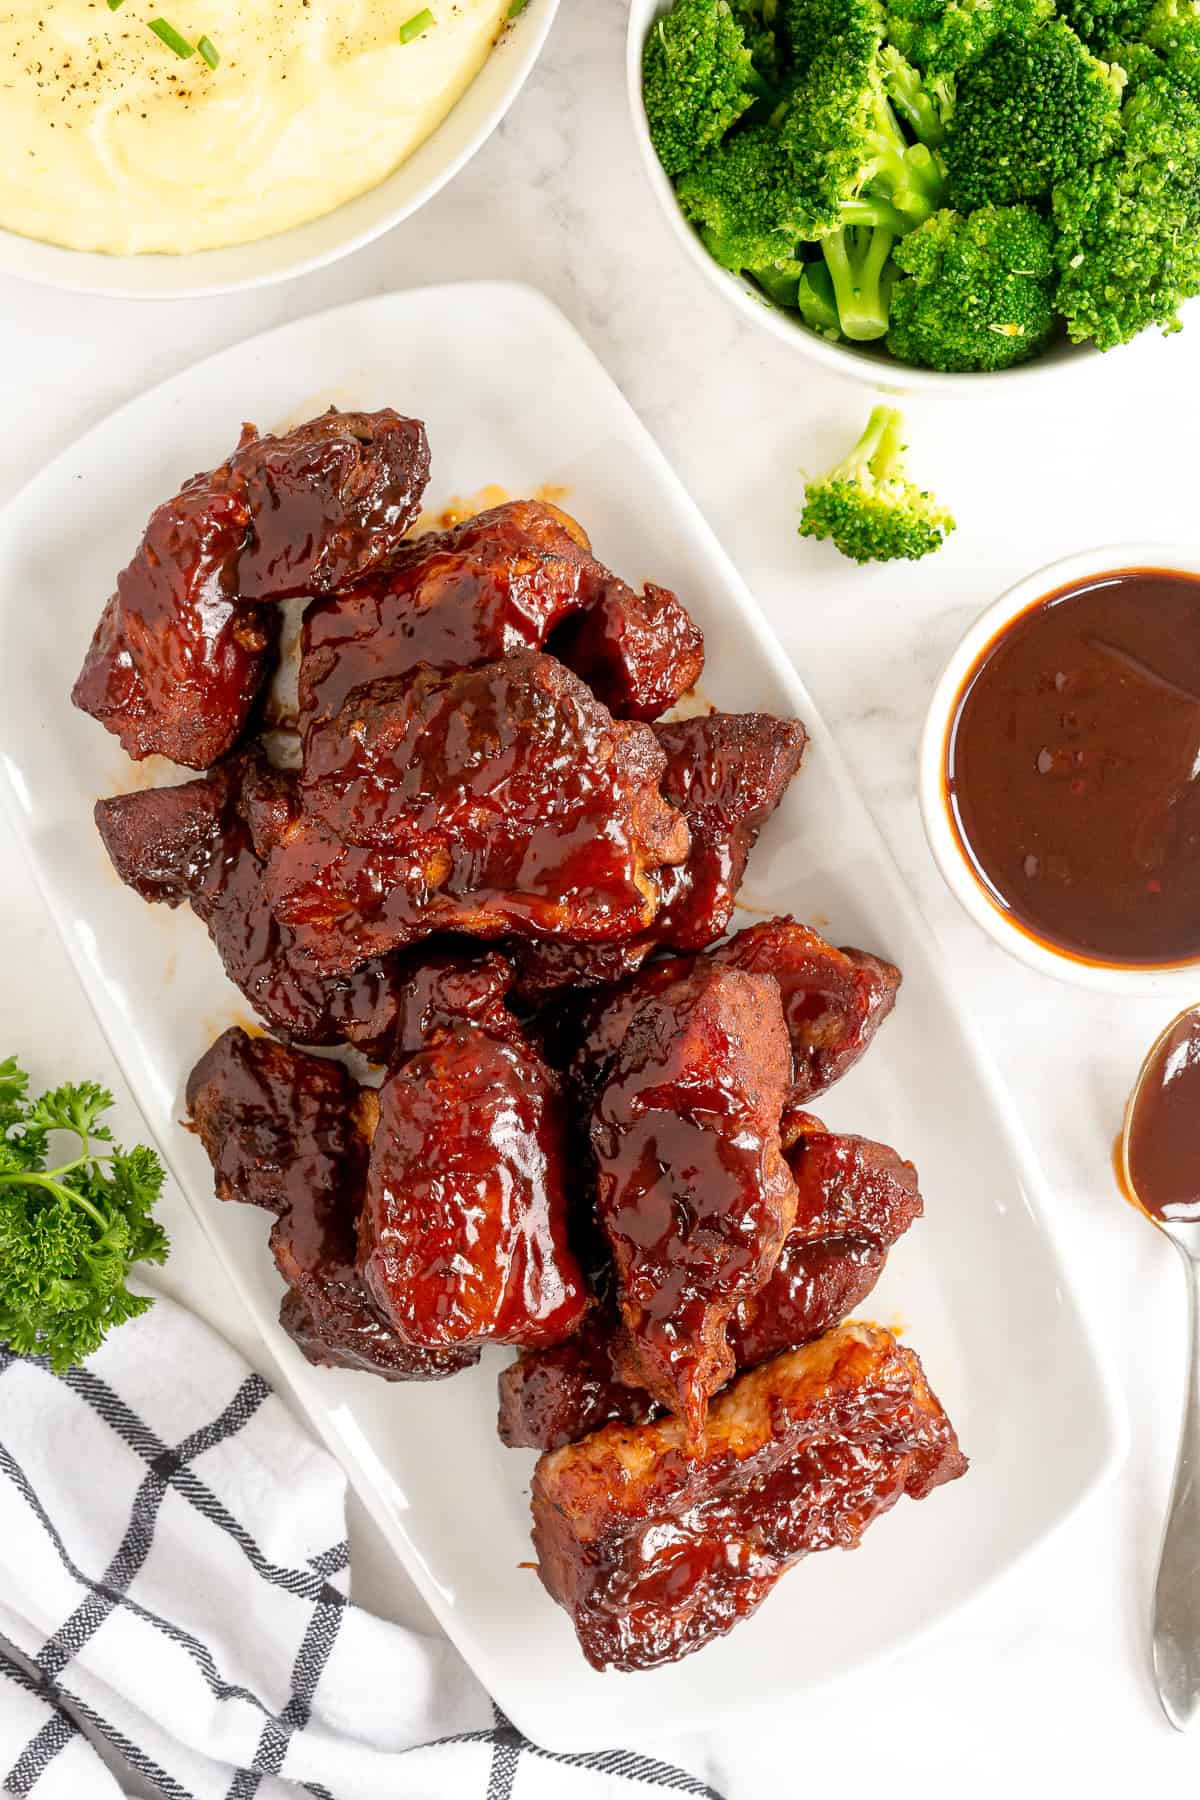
column 70, row 1234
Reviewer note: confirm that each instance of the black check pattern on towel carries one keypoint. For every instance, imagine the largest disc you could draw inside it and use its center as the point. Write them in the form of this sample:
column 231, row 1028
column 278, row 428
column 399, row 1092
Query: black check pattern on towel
column 212, row 1590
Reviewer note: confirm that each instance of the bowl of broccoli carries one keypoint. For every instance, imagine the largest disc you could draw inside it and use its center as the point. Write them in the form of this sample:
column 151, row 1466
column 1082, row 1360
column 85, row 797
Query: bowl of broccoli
column 913, row 190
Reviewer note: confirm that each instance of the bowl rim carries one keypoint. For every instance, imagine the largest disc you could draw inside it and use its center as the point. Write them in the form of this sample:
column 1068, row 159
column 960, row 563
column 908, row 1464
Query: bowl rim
column 303, row 248
column 1062, row 363
column 1174, row 980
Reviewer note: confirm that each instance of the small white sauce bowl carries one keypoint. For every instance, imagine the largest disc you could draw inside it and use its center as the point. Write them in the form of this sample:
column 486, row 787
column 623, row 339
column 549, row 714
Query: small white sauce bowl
column 872, row 366
column 1176, row 980
column 468, row 124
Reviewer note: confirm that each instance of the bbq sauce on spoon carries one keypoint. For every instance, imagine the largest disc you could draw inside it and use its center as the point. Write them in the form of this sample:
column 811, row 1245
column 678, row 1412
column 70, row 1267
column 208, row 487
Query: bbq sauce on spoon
column 1162, row 1138
column 1072, row 768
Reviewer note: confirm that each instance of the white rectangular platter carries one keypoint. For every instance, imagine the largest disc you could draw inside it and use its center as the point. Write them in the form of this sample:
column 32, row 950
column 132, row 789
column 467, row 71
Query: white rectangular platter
column 512, row 397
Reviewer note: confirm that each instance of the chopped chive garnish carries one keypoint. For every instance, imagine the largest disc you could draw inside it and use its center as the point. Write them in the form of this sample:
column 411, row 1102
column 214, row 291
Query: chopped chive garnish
column 209, row 52
column 113, row 4
column 172, row 38
column 518, row 6
column 412, row 28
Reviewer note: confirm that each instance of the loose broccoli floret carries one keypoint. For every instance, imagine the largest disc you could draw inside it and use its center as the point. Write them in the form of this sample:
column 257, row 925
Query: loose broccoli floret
column 974, row 292
column 745, row 201
column 940, row 36
column 816, row 302
column 1031, row 111
column 697, row 80
column 1129, row 227
column 868, row 508
column 1102, row 23
column 924, row 103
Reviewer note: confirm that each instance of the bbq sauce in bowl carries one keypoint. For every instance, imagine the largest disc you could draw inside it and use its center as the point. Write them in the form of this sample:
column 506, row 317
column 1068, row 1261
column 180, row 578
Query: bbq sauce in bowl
column 1072, row 769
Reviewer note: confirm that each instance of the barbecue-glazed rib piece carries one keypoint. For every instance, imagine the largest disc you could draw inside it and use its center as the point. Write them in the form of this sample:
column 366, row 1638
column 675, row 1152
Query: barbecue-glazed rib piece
column 558, row 1395
column 492, row 801
column 173, row 676
column 692, row 1190
column 185, row 645
column 282, row 1130
column 292, row 1133
column 601, row 1020
column 440, row 988
column 464, row 1231
column 639, row 653
column 497, row 583
column 834, row 1001
column 549, row 967
column 205, row 842
column 855, row 1198
column 163, row 842
column 846, row 1183
column 654, row 1552
column 325, row 502
column 726, row 773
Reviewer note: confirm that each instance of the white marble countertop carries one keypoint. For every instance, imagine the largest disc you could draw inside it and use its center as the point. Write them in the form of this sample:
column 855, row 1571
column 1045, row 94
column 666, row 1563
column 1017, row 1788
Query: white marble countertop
column 1046, row 1678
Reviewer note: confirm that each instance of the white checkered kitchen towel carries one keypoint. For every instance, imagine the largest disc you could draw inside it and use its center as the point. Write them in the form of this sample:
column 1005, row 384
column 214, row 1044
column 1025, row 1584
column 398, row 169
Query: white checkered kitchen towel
column 173, row 1583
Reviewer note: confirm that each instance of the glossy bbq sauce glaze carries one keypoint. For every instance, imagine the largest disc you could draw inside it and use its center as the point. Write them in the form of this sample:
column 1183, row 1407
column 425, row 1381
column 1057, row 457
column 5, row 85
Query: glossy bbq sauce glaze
column 1072, row 769
column 1162, row 1138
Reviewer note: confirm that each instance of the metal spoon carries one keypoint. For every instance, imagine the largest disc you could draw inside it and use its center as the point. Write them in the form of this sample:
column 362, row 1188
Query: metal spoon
column 1172, row 1068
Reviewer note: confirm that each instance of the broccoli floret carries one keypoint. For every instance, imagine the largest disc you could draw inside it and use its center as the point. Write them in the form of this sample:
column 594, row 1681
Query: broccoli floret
column 745, row 202
column 844, row 141
column 1183, row 66
column 780, row 285
column 860, row 273
column 1137, row 61
column 1129, row 227
column 812, row 28
column 1102, row 23
column 1031, row 111
column 834, row 156
column 940, row 36
column 1169, row 43
column 923, row 102
column 697, row 80
column 1172, row 33
column 816, row 302
column 757, row 20
column 856, row 258
column 1172, row 25
column 832, row 164
column 973, row 293
column 868, row 508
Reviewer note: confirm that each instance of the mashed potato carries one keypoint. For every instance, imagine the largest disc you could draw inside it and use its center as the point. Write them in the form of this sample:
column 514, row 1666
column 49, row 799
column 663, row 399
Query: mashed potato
column 110, row 141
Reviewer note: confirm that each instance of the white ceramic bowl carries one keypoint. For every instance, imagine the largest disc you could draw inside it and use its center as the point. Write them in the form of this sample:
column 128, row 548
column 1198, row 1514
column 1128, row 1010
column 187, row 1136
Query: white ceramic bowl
column 872, row 366
column 287, row 253
column 1179, row 981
